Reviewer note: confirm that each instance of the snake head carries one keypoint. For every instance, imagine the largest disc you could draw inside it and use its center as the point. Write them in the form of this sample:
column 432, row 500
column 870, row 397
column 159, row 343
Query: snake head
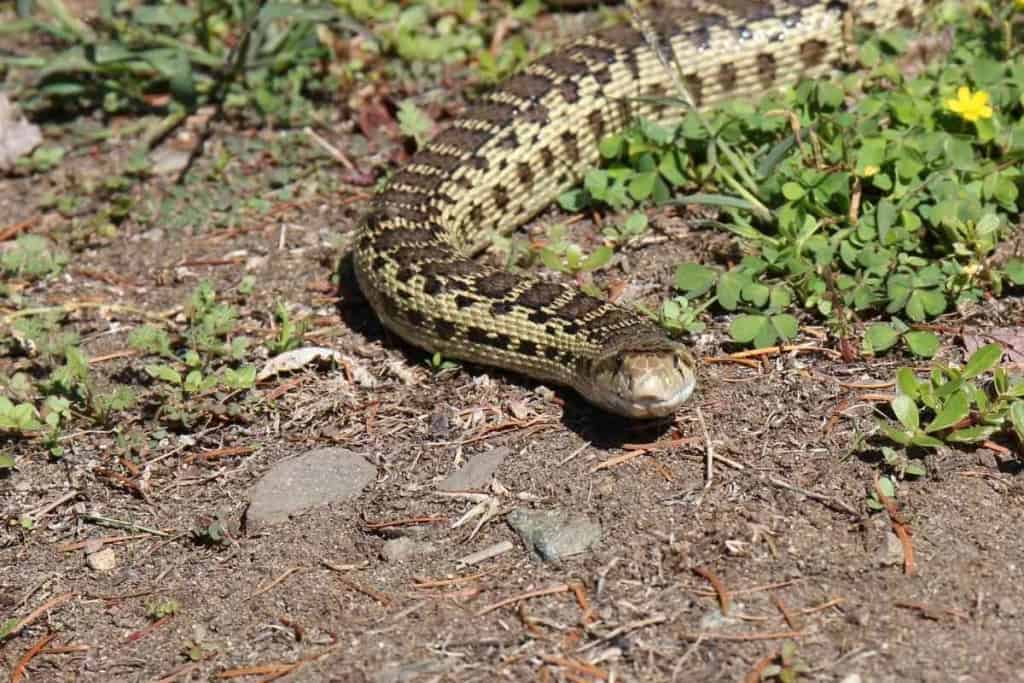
column 640, row 379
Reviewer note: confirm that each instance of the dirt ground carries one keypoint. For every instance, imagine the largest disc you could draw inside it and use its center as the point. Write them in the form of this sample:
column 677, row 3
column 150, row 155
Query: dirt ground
column 694, row 579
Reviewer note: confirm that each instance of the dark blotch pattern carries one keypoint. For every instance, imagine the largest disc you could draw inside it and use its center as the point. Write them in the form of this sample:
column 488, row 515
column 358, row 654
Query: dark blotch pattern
column 500, row 196
column 432, row 286
column 421, row 181
column 767, row 69
column 614, row 318
column 393, row 239
column 539, row 317
column 596, row 121
column 453, row 268
column 547, row 157
column 727, row 76
column 501, row 308
column 496, row 340
column 623, row 35
column 510, row 141
column 444, row 328
column 525, row 172
column 497, row 113
column 569, row 91
column 603, row 76
column 461, row 139
column 413, row 317
column 563, row 65
column 540, row 295
column 594, row 54
column 528, row 86
column 579, row 306
column 444, row 162
column 572, row 145
column 813, row 52
column 496, row 284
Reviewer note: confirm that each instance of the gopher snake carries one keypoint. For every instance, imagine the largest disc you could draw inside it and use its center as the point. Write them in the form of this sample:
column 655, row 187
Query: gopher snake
column 520, row 145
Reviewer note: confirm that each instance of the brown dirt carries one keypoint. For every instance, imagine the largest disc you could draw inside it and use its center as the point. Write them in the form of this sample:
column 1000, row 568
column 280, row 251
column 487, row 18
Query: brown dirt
column 314, row 594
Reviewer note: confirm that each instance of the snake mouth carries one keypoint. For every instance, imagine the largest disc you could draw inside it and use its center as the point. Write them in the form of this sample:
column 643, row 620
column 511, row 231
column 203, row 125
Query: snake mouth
column 654, row 407
column 643, row 383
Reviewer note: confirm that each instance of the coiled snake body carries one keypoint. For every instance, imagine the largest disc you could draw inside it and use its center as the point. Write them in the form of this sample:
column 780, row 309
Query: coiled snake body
column 510, row 153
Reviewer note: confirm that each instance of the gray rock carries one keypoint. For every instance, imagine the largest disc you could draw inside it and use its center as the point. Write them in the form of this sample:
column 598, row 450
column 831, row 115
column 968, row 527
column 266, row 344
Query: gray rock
column 167, row 160
column 317, row 477
column 102, row 561
column 554, row 534
column 403, row 549
column 891, row 552
column 476, row 473
column 409, row 672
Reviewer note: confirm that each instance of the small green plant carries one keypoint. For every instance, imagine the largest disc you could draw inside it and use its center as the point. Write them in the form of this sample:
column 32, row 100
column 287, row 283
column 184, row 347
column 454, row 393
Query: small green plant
column 72, row 384
column 42, row 159
column 561, row 255
column 887, row 486
column 39, row 335
column 678, row 315
column 951, row 405
column 152, row 340
column 289, row 333
column 211, row 532
column 203, row 360
column 32, row 257
column 880, row 337
column 18, row 418
column 7, row 626
column 211, row 324
column 162, row 608
column 789, row 667
column 634, row 227
column 438, row 363
column 414, row 122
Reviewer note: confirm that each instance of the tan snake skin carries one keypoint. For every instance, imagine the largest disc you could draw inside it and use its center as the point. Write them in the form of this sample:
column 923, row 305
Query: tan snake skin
column 519, row 146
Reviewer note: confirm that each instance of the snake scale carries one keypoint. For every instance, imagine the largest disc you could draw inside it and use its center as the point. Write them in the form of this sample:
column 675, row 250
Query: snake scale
column 517, row 147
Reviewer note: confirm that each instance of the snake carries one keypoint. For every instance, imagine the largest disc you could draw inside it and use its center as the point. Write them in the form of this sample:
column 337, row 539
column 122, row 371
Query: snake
column 518, row 146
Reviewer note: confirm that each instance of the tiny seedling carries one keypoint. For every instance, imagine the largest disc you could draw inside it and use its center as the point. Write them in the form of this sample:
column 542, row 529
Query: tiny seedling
column 564, row 256
column 162, row 608
column 438, row 363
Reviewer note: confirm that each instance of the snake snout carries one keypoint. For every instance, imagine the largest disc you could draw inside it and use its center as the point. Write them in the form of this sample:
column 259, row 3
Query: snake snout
column 644, row 383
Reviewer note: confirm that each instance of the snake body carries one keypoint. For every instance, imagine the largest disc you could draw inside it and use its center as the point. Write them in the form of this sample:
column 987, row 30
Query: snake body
column 515, row 149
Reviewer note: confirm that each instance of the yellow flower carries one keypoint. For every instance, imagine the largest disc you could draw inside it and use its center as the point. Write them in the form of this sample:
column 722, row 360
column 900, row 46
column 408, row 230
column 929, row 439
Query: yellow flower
column 971, row 106
column 1020, row 4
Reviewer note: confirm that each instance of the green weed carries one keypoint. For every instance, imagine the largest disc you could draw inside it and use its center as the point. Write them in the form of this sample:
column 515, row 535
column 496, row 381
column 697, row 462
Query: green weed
column 952, row 405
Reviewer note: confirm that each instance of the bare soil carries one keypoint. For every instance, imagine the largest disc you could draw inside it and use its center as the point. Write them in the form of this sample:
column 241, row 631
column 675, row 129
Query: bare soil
column 781, row 526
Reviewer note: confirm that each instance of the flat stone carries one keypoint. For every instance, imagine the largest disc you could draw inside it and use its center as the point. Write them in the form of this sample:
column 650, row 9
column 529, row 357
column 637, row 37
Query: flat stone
column 317, row 477
column 476, row 473
column 166, row 160
column 403, row 549
column 890, row 553
column 103, row 560
column 554, row 534
column 409, row 672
